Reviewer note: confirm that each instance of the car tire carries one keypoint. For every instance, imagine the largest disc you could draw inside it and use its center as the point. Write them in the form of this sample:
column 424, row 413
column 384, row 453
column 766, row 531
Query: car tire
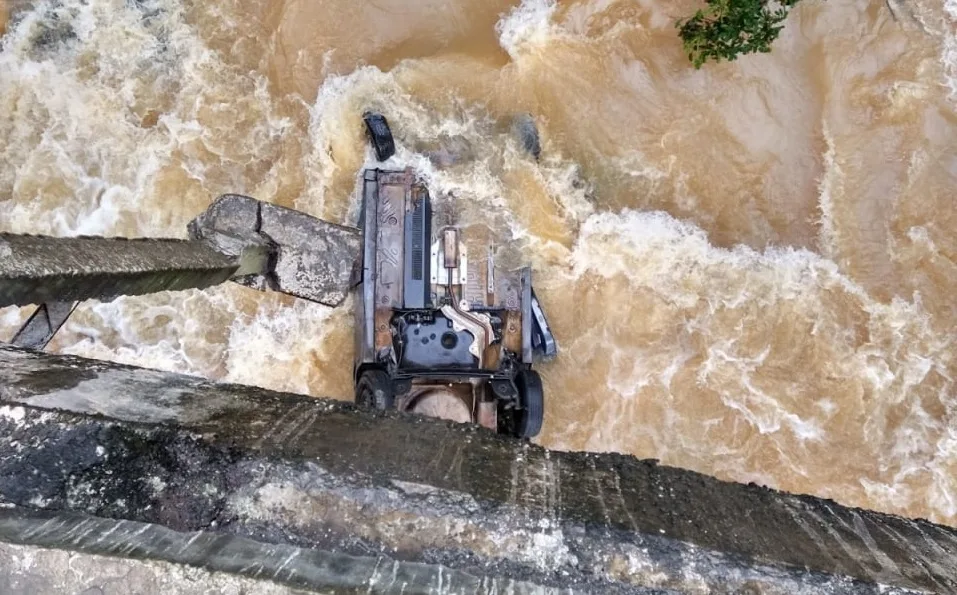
column 374, row 390
column 380, row 135
column 531, row 397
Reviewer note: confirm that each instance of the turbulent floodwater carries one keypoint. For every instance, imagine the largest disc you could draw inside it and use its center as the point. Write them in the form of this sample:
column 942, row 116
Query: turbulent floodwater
column 750, row 268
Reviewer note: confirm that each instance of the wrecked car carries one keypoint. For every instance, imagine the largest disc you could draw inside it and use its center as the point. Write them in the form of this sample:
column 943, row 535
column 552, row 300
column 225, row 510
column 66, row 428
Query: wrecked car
column 441, row 329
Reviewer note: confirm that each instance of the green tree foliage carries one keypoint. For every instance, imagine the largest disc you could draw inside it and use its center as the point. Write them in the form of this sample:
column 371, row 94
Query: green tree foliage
column 726, row 29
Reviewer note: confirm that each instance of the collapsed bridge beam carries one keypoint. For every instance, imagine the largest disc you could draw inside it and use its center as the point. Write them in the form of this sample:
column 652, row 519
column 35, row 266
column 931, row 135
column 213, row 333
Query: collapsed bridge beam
column 286, row 471
column 252, row 242
column 312, row 259
column 40, row 269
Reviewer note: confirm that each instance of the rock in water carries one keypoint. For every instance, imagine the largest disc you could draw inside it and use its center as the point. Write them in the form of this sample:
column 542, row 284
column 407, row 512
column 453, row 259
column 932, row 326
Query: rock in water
column 526, row 132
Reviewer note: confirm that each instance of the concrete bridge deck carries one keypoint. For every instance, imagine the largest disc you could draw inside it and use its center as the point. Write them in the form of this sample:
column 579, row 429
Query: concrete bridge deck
column 152, row 468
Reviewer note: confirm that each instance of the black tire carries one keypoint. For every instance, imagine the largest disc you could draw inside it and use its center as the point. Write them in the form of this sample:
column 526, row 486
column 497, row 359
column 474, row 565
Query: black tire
column 374, row 390
column 531, row 398
column 380, row 135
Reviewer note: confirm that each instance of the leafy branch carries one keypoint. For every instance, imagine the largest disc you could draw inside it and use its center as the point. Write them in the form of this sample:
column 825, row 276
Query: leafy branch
column 726, row 29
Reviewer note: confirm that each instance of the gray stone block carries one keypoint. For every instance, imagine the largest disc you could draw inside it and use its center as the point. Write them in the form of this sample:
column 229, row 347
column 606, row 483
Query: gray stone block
column 316, row 260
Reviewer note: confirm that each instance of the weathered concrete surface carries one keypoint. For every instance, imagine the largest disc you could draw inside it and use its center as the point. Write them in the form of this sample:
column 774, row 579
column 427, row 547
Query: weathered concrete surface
column 113, row 441
column 29, row 570
column 206, row 557
column 313, row 259
column 38, row 269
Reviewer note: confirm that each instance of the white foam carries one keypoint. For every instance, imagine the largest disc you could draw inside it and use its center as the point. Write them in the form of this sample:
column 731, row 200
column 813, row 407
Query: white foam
column 941, row 495
column 831, row 186
column 675, row 261
column 948, row 56
column 580, row 15
column 526, row 27
column 15, row 414
column 124, row 331
column 273, row 349
column 334, row 118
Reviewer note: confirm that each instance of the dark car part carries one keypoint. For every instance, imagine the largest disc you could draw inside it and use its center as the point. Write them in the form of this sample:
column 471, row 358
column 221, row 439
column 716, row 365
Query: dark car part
column 418, row 232
column 380, row 135
column 543, row 342
column 374, row 390
column 531, row 396
column 434, row 343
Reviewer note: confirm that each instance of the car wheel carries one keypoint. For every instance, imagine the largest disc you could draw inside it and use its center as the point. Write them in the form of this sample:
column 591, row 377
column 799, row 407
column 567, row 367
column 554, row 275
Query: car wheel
column 379, row 135
column 531, row 398
column 374, row 390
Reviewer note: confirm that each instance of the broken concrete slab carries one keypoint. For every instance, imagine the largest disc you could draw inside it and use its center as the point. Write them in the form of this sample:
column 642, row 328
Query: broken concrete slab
column 317, row 260
column 230, row 224
column 311, row 258
column 114, row 441
column 39, row 269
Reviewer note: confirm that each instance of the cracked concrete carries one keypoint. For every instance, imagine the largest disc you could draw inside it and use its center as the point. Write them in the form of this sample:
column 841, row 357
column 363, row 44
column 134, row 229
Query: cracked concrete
column 311, row 258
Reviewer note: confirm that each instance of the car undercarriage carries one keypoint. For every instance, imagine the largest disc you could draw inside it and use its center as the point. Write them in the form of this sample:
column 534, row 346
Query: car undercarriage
column 441, row 329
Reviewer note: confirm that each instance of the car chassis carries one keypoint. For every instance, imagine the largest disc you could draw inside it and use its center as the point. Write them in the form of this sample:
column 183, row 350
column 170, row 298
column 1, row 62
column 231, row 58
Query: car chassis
column 440, row 329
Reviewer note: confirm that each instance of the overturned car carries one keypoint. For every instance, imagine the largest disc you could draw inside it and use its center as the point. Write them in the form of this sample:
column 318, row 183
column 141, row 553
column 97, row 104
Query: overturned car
column 440, row 329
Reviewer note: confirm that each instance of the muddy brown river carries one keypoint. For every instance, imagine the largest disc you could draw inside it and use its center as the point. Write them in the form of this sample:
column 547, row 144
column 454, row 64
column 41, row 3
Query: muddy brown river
column 751, row 268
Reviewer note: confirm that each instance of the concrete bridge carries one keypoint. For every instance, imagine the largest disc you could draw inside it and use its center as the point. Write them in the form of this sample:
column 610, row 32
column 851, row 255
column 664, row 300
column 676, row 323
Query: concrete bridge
column 104, row 461
column 115, row 479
